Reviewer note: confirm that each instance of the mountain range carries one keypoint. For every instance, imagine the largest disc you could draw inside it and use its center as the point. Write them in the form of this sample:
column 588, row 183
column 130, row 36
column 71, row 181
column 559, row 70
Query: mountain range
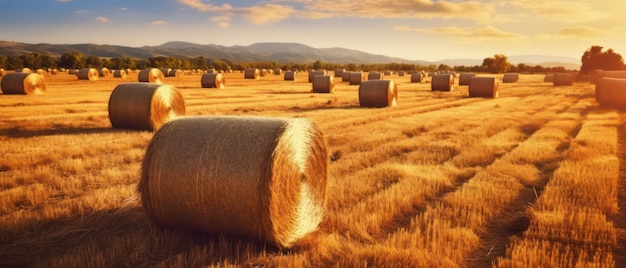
column 275, row 52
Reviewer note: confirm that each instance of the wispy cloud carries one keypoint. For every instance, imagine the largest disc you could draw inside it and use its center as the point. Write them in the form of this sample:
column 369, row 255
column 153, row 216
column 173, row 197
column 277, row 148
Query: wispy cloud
column 559, row 10
column 204, row 7
column 580, row 32
column 222, row 21
column 102, row 19
column 158, row 22
column 123, row 8
column 474, row 34
column 267, row 13
column 81, row 11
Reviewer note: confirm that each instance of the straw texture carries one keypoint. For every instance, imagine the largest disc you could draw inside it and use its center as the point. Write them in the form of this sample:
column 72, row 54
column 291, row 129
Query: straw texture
column 442, row 82
column 323, row 84
column 151, row 75
column 339, row 72
column 374, row 76
column 611, row 92
column 144, row 106
column 90, row 74
column 312, row 74
column 510, row 78
column 486, row 87
column 356, row 78
column 563, row 79
column 464, row 78
column 23, row 83
column 252, row 73
column 213, row 80
column 290, row 76
column 378, row 93
column 256, row 177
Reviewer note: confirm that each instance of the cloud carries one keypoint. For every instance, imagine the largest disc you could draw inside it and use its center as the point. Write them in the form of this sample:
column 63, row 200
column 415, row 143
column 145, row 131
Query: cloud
column 222, row 21
column 267, row 13
column 102, row 19
column 469, row 34
column 123, row 8
column 558, row 10
column 158, row 22
column 81, row 11
column 580, row 32
column 200, row 6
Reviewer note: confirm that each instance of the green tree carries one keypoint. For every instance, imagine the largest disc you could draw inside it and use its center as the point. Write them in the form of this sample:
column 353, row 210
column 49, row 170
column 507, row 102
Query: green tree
column 498, row 64
column 594, row 58
column 72, row 60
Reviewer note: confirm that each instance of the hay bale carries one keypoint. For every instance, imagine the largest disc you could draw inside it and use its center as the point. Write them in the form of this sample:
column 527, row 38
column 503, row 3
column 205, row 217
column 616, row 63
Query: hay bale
column 23, row 83
column 339, row 72
column 614, row 74
column 356, row 78
column 24, row 70
column 611, row 92
column 263, row 72
column 119, row 74
column 549, row 78
column 175, row 73
column 378, row 93
column 252, row 73
column 417, row 77
column 73, row 71
column 278, row 71
column 401, row 73
column 510, row 78
column 345, row 76
column 213, row 80
column 103, row 72
column 41, row 72
column 3, row 72
column 151, row 75
column 384, row 73
column 563, row 79
column 90, row 74
column 144, row 106
column 165, row 71
column 314, row 73
column 290, row 76
column 374, row 76
column 210, row 71
column 486, row 87
column 257, row 177
column 442, row 82
column 464, row 78
column 323, row 84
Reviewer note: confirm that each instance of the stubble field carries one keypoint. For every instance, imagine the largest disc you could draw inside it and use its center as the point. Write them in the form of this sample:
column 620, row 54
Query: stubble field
column 536, row 177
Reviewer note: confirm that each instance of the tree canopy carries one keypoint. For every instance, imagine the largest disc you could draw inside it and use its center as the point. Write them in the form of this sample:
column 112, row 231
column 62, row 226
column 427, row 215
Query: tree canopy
column 498, row 64
column 594, row 58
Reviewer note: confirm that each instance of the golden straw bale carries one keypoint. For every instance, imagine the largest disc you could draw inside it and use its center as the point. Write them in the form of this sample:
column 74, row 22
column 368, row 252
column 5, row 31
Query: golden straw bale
column 263, row 72
column 339, row 72
column 41, row 72
column 144, row 106
column 356, row 78
column 563, row 79
column 442, row 82
column 3, row 72
column 611, row 92
column 314, row 73
column 417, row 77
column 213, row 80
column 119, row 73
column 378, row 93
column 90, row 74
column 257, row 177
column 401, row 73
column 464, row 78
column 103, row 72
column 23, row 83
column 175, row 73
column 323, row 84
column 73, row 71
column 374, row 76
column 212, row 70
column 384, row 73
column 614, row 74
column 345, row 76
column 151, row 75
column 290, row 76
column 510, row 78
column 483, row 87
column 165, row 71
column 278, row 71
column 549, row 78
column 252, row 73
column 24, row 70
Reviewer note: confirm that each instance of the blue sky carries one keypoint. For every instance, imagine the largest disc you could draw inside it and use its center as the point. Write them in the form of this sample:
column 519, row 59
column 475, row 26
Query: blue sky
column 410, row 29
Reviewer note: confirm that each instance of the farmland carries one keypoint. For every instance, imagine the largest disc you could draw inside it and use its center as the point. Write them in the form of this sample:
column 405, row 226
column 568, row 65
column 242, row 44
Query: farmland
column 536, row 177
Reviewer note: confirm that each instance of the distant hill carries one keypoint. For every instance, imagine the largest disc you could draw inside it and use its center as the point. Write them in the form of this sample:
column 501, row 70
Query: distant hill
column 276, row 52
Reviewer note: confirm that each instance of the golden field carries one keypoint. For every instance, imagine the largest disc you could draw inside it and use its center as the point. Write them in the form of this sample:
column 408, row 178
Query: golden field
column 534, row 178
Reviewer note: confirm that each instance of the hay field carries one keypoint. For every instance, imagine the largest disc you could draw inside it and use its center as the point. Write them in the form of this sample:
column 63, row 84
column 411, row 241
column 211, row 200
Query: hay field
column 536, row 177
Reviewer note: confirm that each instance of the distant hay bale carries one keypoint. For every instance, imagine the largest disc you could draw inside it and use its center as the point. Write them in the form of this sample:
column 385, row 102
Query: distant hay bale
column 119, row 74
column 165, row 71
column 103, row 72
column 417, row 77
column 510, row 78
column 175, row 73
column 90, row 74
column 263, row 72
column 323, row 84
column 210, row 71
column 401, row 73
column 345, row 76
column 442, row 82
column 611, row 92
column 464, row 78
column 278, row 71
column 41, row 72
column 356, row 78
column 375, row 76
column 563, row 79
column 213, row 80
column 3, row 72
column 73, row 71
column 431, row 74
column 290, row 76
column 384, row 73
column 256, row 177
column 314, row 73
column 24, row 70
column 151, row 75
column 23, row 83
column 252, row 73
column 144, row 106
column 339, row 72
column 549, row 78
column 378, row 93
column 486, row 87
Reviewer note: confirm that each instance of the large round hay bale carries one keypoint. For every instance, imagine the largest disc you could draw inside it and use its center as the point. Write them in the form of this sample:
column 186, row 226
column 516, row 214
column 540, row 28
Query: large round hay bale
column 374, row 76
column 90, row 74
column 339, row 72
column 417, row 77
column 103, row 72
column 510, row 78
column 23, row 83
column 563, row 79
column 345, row 76
column 464, row 78
column 611, row 92
column 323, row 84
column 41, row 72
column 290, row 75
column 252, row 73
column 165, row 71
column 119, row 74
column 378, row 93
column 442, row 82
column 151, row 75
column 549, row 78
column 24, row 70
column 144, row 106
column 486, row 87
column 256, row 177
column 213, row 80
column 262, row 72
column 314, row 73
column 385, row 73
column 3, row 72
column 175, row 73
column 356, row 78
column 401, row 73
column 278, row 71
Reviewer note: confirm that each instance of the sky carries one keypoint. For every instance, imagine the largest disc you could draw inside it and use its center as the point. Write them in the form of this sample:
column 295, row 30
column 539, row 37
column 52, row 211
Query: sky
column 410, row 29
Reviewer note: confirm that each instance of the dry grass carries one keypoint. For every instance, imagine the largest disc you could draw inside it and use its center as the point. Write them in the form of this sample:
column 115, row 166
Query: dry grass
column 442, row 180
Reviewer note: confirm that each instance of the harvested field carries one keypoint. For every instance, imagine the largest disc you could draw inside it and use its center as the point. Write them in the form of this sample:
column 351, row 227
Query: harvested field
column 535, row 177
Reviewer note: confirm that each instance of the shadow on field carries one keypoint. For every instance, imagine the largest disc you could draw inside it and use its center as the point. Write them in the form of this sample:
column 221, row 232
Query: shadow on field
column 17, row 132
